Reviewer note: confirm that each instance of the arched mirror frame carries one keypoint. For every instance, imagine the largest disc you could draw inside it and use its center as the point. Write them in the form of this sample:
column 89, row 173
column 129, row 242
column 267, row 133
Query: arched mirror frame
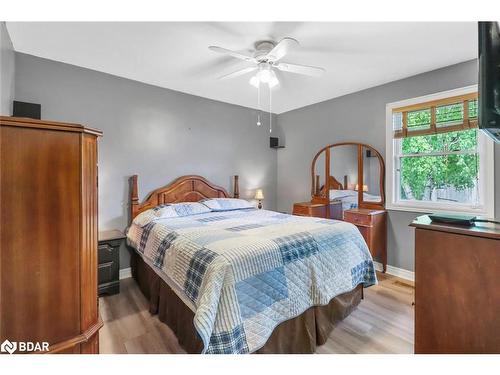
column 320, row 194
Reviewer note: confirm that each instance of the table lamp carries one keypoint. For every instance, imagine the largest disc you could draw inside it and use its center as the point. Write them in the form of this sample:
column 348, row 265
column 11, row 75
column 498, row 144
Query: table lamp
column 259, row 195
column 365, row 187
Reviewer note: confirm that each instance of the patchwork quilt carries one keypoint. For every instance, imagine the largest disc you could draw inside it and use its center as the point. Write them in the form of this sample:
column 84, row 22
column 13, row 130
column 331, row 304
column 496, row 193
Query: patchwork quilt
column 248, row 270
column 349, row 198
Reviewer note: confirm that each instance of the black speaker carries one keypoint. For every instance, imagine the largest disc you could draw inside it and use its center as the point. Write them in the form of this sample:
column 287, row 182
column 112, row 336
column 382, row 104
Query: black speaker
column 273, row 142
column 30, row 110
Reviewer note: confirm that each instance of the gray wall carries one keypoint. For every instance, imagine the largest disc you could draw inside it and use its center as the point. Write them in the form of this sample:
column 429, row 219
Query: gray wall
column 7, row 68
column 360, row 117
column 156, row 133
column 161, row 134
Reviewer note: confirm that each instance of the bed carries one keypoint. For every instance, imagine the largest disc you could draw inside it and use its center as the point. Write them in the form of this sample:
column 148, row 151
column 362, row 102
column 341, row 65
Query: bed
column 234, row 279
column 346, row 193
column 348, row 197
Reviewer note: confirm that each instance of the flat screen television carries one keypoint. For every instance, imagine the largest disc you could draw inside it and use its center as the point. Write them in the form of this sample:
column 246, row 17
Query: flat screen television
column 489, row 79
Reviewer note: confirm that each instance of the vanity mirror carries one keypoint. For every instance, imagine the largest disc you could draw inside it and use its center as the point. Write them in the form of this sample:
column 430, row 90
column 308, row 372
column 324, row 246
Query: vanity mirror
column 347, row 183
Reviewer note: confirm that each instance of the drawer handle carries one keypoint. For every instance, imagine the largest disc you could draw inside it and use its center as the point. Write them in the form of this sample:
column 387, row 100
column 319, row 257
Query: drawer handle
column 106, row 247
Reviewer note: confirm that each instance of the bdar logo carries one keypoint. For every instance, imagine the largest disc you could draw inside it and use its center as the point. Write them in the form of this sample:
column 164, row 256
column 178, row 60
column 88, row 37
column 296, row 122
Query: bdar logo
column 8, row 346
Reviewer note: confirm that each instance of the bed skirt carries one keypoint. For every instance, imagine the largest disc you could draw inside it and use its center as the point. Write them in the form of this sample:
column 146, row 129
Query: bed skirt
column 298, row 335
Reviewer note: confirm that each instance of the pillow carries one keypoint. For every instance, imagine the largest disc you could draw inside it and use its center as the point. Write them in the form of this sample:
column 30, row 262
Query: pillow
column 338, row 194
column 164, row 211
column 226, row 204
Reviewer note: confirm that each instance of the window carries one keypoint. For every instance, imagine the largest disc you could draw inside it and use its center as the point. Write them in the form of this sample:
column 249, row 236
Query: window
column 437, row 159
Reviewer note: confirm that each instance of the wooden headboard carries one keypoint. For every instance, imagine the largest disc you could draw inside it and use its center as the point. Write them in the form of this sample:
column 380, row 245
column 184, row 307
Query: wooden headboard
column 184, row 189
column 334, row 184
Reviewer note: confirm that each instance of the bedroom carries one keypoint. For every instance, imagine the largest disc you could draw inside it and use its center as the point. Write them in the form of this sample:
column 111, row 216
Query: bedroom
column 282, row 209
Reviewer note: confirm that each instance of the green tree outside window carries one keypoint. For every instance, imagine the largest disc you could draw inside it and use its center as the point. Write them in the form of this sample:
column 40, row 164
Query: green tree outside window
column 422, row 175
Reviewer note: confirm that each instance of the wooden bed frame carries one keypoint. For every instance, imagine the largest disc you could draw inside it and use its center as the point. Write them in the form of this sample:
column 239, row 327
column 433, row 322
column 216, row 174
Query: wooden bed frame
column 190, row 188
column 334, row 184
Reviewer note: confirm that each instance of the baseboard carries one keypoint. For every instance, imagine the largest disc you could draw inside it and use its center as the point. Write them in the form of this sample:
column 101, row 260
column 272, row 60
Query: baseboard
column 395, row 271
column 125, row 273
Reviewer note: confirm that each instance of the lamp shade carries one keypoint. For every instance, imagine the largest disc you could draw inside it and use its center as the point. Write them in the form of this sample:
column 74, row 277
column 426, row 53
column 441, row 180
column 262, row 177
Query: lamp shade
column 259, row 195
column 365, row 187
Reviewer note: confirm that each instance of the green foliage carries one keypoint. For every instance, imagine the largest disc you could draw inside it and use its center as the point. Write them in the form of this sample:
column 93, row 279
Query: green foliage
column 449, row 113
column 419, row 119
column 472, row 108
column 421, row 174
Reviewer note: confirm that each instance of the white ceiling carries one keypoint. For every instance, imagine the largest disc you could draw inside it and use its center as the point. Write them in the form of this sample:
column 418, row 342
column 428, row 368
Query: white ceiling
column 174, row 55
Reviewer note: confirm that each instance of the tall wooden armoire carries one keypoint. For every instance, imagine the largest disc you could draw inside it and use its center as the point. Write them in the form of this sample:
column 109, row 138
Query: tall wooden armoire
column 48, row 234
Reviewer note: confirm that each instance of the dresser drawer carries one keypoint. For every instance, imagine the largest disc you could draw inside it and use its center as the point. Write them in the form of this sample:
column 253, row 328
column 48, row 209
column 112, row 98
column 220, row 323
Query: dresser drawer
column 364, row 233
column 109, row 262
column 300, row 210
column 107, row 272
column 310, row 209
column 107, row 253
column 357, row 219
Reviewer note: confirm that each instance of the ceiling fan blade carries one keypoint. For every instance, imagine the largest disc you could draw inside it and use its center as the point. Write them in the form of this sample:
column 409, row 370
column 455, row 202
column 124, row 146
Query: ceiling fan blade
column 231, row 53
column 282, row 48
column 239, row 72
column 301, row 69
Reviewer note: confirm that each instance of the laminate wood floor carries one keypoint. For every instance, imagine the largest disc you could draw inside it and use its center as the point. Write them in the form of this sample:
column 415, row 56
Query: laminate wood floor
column 382, row 323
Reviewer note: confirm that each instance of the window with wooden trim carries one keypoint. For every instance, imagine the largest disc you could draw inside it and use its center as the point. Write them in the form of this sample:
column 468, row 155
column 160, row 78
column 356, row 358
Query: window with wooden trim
column 439, row 157
column 436, row 117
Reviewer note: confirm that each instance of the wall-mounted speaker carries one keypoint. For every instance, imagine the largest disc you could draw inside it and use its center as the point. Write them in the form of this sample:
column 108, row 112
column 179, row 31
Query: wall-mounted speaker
column 273, row 142
column 30, row 110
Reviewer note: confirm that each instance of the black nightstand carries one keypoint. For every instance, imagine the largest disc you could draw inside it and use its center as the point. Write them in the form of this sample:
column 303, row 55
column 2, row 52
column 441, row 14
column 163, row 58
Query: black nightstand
column 109, row 262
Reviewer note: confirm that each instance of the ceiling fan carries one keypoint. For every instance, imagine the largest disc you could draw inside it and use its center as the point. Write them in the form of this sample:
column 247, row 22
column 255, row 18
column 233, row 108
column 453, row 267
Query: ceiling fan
column 265, row 59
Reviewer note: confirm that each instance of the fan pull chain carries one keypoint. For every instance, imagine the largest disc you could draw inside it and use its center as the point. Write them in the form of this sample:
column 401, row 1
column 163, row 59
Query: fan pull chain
column 258, row 106
column 270, row 112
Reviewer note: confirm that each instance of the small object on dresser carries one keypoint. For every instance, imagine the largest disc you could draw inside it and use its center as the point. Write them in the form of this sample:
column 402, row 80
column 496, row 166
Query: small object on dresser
column 331, row 210
column 109, row 262
column 464, row 220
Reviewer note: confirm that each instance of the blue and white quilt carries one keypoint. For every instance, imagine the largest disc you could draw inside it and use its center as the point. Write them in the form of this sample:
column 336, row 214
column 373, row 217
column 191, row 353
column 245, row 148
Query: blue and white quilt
column 349, row 198
column 246, row 271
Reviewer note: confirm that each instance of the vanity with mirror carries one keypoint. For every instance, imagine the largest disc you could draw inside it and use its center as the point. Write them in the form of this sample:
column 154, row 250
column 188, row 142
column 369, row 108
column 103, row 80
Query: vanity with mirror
column 347, row 183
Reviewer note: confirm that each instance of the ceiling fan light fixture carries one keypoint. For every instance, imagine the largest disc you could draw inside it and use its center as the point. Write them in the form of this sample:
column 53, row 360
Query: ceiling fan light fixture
column 266, row 76
column 273, row 81
column 254, row 81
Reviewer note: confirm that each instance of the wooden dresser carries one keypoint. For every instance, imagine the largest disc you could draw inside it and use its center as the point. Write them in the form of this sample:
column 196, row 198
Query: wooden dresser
column 48, row 234
column 331, row 210
column 373, row 226
column 457, row 294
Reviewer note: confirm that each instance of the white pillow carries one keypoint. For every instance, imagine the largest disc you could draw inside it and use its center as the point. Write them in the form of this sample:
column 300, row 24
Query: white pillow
column 226, row 204
column 339, row 194
column 164, row 211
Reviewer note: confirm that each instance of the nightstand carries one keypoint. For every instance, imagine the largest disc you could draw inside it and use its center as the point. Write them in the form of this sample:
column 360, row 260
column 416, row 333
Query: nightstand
column 108, row 272
column 373, row 227
column 332, row 210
